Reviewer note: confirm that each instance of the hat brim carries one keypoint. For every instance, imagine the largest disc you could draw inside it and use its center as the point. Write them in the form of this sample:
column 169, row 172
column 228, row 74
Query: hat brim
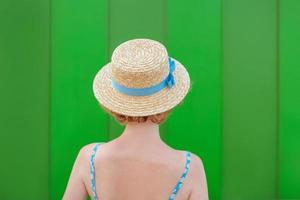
column 158, row 102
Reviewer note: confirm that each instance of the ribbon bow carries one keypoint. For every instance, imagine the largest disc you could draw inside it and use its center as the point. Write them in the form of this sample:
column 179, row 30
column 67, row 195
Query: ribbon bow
column 170, row 79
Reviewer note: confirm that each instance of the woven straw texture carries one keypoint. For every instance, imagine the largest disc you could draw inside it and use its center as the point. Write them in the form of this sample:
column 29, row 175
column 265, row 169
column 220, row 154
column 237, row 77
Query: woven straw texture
column 140, row 63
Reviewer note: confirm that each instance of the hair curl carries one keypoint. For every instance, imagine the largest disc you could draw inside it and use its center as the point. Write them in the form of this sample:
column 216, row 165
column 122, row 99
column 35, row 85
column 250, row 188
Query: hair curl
column 124, row 119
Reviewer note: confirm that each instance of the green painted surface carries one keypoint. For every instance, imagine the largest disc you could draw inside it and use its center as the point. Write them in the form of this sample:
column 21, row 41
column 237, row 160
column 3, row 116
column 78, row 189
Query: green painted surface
column 250, row 100
column 194, row 38
column 289, row 99
column 79, row 49
column 24, row 99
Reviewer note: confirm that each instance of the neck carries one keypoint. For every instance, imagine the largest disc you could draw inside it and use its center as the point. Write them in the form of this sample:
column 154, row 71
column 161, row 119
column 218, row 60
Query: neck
column 146, row 133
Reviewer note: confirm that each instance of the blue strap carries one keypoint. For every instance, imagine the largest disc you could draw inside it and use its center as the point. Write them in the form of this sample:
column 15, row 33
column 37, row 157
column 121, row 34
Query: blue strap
column 182, row 178
column 168, row 81
column 92, row 171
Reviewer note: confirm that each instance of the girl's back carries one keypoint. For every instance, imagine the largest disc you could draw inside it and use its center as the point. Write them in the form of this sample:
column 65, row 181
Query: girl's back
column 130, row 174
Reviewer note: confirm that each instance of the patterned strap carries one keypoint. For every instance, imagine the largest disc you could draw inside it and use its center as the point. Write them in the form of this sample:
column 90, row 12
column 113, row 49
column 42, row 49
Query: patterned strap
column 182, row 178
column 92, row 170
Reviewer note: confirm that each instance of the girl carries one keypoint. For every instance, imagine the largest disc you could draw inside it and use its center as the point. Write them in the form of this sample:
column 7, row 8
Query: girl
column 139, row 87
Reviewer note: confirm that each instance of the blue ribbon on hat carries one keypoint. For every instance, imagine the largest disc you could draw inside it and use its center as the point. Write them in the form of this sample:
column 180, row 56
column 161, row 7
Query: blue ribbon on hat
column 169, row 81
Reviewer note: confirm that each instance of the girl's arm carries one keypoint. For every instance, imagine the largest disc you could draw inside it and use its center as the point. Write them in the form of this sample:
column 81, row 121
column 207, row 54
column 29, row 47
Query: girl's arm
column 75, row 189
column 199, row 190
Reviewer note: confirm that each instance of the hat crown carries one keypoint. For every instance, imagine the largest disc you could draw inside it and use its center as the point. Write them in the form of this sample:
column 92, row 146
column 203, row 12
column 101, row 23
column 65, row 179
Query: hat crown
column 139, row 63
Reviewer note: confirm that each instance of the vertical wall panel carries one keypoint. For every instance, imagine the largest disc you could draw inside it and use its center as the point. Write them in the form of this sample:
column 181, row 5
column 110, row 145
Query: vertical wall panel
column 289, row 99
column 24, row 99
column 194, row 38
column 134, row 19
column 79, row 49
column 250, row 100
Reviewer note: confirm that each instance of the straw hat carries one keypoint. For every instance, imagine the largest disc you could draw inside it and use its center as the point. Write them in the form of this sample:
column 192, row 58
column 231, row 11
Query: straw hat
column 141, row 79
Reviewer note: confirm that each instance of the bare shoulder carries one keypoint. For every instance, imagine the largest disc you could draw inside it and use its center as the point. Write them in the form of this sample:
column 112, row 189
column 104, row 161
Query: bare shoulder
column 198, row 176
column 198, row 163
column 76, row 187
column 196, row 167
column 84, row 154
column 87, row 149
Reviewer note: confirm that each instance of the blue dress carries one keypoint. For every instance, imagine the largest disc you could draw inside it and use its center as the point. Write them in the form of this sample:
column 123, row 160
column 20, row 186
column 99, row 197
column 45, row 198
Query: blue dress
column 174, row 192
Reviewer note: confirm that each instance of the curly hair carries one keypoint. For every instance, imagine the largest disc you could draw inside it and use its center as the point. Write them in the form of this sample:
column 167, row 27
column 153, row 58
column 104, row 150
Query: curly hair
column 124, row 119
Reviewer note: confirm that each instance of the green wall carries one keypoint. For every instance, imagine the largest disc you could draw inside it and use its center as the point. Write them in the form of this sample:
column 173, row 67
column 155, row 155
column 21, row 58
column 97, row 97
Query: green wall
column 289, row 79
column 250, row 92
column 24, row 99
column 244, row 107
